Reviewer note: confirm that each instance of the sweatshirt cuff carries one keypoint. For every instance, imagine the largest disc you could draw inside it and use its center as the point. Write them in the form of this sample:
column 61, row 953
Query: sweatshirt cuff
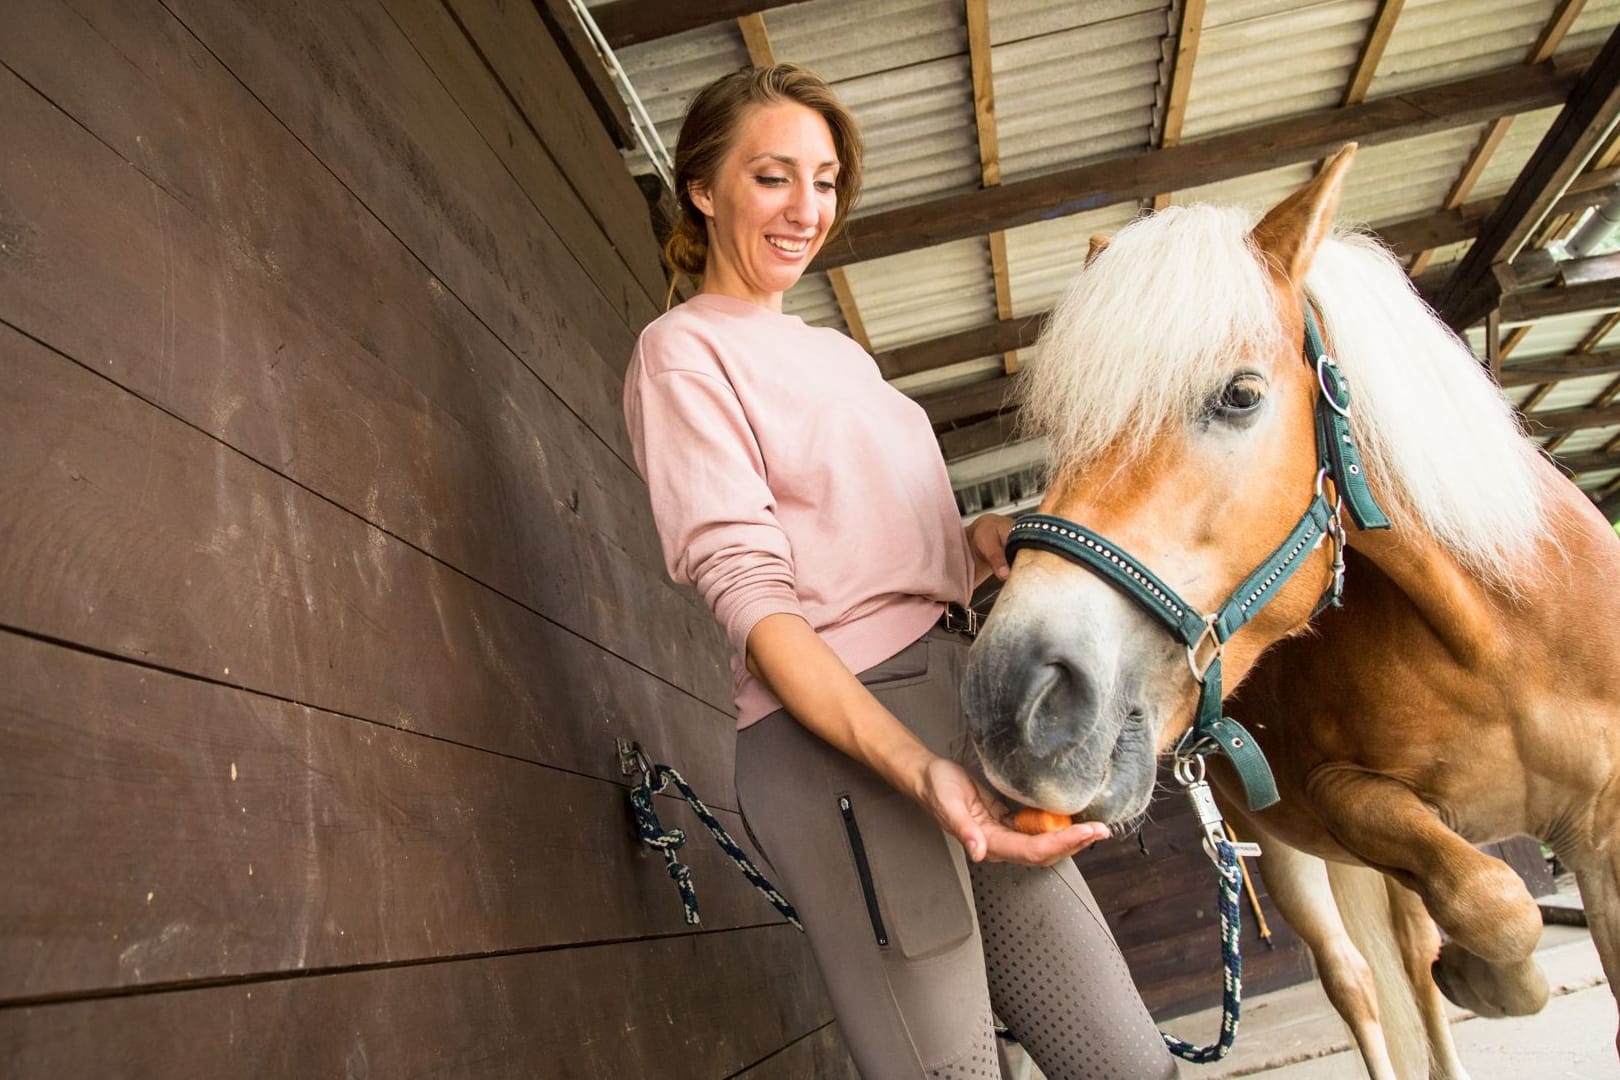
column 745, row 618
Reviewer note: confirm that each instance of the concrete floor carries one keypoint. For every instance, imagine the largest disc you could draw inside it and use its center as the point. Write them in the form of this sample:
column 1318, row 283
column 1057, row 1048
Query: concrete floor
column 1294, row 1034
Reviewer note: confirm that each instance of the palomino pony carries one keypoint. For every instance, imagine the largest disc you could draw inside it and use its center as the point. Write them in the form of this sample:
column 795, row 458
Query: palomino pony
column 1468, row 690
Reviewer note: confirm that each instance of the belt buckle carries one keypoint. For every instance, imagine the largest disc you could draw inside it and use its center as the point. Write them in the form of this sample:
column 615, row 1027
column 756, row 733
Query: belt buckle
column 960, row 620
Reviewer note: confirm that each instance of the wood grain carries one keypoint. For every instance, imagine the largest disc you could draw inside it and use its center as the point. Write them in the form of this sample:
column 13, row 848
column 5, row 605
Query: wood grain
column 435, row 434
column 182, row 831
column 130, row 532
column 691, row 1008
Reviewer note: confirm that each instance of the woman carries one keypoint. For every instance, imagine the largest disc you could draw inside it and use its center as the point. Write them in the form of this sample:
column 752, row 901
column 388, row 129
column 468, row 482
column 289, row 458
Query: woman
column 806, row 501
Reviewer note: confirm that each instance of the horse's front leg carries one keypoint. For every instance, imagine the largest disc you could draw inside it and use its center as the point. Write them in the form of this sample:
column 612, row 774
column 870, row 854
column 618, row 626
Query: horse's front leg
column 1477, row 900
column 1598, row 873
column 1418, row 940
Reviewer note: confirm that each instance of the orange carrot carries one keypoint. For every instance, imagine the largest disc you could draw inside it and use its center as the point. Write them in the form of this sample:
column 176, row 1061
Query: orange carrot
column 1034, row 822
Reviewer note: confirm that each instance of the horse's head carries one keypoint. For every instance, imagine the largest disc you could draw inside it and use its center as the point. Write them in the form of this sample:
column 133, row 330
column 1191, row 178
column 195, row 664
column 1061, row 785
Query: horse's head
column 1180, row 413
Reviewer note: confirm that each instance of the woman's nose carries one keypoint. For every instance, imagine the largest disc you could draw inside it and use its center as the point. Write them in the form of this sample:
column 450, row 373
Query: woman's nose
column 802, row 208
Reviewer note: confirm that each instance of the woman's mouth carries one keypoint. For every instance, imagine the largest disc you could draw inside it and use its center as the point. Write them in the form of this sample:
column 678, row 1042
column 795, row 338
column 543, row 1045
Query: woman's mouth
column 788, row 245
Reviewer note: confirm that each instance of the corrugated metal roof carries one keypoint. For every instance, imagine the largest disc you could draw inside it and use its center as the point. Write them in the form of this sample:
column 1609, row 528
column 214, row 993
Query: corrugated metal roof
column 1083, row 87
column 1077, row 83
column 1437, row 41
column 1259, row 60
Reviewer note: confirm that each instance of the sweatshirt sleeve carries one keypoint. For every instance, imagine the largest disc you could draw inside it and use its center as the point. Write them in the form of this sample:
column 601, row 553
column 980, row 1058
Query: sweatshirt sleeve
column 715, row 513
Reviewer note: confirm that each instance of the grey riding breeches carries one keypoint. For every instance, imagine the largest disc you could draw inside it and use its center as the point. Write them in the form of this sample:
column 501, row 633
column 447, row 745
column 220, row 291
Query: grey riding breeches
column 916, row 945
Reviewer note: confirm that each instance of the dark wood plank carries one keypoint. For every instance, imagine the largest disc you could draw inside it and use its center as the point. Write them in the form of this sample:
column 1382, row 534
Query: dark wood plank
column 1552, row 421
column 629, row 22
column 1427, row 231
column 1204, row 161
column 277, row 205
column 127, row 531
column 588, row 68
column 491, row 474
column 997, row 337
column 1554, row 368
column 692, row 1008
column 502, row 67
column 963, row 402
column 176, row 830
column 976, row 438
column 1591, row 461
column 1575, row 135
column 1545, row 303
column 1609, row 507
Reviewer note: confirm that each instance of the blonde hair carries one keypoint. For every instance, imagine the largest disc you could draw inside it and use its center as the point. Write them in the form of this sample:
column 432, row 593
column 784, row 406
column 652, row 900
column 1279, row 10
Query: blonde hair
column 706, row 133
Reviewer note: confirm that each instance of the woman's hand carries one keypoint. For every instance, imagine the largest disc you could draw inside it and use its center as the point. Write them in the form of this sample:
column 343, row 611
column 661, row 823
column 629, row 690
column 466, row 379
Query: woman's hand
column 979, row 820
column 987, row 539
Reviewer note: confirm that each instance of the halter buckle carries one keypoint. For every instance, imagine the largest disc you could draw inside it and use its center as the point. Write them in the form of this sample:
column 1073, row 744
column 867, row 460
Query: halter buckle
column 1207, row 640
column 1324, row 362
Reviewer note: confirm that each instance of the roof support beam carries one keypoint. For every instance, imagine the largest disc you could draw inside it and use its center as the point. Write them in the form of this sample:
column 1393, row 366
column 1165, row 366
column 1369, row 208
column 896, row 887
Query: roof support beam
column 629, row 22
column 1554, row 368
column 1581, row 127
column 1553, row 421
column 984, row 119
column 1372, row 51
column 1590, row 462
column 1541, row 303
column 1411, row 235
column 1609, row 507
column 1203, row 161
column 1188, row 32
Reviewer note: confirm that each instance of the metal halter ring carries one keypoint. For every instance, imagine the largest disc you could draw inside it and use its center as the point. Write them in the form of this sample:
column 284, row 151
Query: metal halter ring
column 1216, row 647
column 1188, row 769
column 1327, row 394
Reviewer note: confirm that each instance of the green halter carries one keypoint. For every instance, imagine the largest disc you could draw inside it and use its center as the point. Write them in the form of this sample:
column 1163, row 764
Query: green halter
column 1205, row 636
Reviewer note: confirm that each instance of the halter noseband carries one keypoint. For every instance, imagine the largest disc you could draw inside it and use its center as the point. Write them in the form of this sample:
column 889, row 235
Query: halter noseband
column 1205, row 636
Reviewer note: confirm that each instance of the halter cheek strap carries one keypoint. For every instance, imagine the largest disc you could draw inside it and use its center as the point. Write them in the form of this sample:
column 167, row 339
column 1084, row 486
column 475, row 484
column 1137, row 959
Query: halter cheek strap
column 1205, row 636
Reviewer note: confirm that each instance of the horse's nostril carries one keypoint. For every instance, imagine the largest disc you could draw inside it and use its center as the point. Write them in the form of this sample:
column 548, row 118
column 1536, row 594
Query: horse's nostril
column 1060, row 697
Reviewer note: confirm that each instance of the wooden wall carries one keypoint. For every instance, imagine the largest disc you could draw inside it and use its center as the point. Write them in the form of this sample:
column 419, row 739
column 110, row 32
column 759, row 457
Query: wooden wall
column 326, row 581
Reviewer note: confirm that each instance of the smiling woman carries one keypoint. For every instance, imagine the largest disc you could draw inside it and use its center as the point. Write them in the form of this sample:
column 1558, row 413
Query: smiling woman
column 806, row 501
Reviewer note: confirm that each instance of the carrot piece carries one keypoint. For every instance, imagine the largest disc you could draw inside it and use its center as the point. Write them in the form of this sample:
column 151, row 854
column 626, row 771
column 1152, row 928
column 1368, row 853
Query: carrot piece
column 1034, row 822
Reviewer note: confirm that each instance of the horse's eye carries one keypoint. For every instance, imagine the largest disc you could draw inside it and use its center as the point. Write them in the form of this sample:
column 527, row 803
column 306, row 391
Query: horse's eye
column 1243, row 394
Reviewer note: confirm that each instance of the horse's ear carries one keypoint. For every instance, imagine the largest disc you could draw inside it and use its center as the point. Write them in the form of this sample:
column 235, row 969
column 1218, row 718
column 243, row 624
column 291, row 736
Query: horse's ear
column 1099, row 244
column 1290, row 233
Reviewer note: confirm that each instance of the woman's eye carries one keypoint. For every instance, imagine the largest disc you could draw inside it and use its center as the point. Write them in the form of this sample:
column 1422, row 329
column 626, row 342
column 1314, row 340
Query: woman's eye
column 770, row 181
column 826, row 186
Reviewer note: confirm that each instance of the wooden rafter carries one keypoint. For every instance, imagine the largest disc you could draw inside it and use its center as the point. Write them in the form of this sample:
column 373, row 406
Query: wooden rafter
column 984, row 117
column 1189, row 31
column 1590, row 461
column 1372, row 51
column 1553, row 368
column 1552, row 35
column 756, row 39
column 629, row 22
column 1221, row 157
column 848, row 308
column 1547, row 42
column 1544, row 303
column 1581, row 127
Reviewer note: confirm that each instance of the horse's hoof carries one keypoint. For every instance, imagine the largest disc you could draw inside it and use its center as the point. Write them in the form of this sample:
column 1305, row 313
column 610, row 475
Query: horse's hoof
column 1488, row 989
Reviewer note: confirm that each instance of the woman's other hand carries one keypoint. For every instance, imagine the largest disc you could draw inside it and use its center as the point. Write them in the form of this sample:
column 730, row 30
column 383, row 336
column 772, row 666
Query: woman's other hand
column 987, row 539
column 980, row 821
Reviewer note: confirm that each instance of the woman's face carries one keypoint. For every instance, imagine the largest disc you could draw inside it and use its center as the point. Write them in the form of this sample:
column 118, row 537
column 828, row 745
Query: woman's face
column 770, row 204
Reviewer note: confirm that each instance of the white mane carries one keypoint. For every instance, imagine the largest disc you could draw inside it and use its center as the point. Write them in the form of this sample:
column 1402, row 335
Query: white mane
column 1146, row 334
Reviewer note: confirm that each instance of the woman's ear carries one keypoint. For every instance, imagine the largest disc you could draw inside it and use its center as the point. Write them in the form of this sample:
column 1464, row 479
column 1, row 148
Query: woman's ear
column 698, row 192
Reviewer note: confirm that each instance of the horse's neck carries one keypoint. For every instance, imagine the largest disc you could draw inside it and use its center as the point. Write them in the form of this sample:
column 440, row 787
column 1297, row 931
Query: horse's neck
column 1482, row 621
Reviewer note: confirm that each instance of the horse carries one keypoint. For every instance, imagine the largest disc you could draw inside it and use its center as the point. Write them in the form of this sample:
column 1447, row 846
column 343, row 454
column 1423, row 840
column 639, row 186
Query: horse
column 1466, row 692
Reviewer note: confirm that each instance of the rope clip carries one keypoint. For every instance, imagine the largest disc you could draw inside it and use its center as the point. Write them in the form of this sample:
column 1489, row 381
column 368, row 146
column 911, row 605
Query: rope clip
column 633, row 759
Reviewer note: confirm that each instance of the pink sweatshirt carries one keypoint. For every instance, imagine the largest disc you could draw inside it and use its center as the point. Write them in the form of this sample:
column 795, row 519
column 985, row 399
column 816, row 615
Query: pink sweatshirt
column 786, row 475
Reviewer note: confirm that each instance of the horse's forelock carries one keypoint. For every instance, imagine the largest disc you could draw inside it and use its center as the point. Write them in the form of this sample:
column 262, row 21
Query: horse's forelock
column 1146, row 332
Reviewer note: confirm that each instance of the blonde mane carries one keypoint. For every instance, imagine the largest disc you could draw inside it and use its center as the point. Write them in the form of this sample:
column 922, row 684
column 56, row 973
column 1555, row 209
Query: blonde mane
column 1149, row 331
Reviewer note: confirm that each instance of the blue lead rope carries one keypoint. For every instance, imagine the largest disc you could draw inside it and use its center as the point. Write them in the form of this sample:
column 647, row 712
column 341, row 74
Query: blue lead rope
column 1231, row 875
column 654, row 779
